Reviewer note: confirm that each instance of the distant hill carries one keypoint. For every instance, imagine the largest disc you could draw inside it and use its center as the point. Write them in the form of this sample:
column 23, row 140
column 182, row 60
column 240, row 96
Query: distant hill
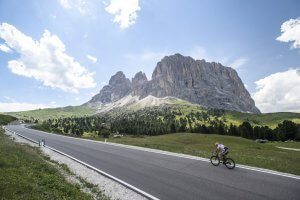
column 53, row 113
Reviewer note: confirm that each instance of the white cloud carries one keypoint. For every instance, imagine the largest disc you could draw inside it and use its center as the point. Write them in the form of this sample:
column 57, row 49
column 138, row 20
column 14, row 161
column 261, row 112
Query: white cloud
column 45, row 60
column 198, row 53
column 9, row 99
column 53, row 16
column 279, row 92
column 236, row 64
column 23, row 106
column 152, row 56
column 125, row 12
column 146, row 57
column 92, row 58
column 65, row 3
column 5, row 48
column 93, row 93
column 290, row 32
column 79, row 5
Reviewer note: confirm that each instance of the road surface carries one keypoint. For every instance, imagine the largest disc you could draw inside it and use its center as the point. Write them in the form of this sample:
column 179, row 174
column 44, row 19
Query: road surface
column 171, row 177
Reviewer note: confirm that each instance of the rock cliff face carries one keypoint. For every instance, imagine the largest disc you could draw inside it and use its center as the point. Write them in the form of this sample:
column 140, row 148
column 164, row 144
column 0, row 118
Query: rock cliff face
column 208, row 84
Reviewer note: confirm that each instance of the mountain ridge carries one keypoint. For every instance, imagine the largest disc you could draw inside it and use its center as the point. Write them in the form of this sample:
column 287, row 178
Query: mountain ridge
column 208, row 84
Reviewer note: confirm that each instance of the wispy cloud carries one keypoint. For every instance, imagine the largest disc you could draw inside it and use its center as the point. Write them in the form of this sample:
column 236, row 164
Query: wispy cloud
column 23, row 106
column 198, row 52
column 5, row 48
column 92, row 58
column 65, row 3
column 236, row 64
column 125, row 12
column 45, row 60
column 290, row 32
column 80, row 5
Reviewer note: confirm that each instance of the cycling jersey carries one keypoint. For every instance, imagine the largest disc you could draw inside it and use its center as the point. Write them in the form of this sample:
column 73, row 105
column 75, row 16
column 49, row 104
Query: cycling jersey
column 222, row 148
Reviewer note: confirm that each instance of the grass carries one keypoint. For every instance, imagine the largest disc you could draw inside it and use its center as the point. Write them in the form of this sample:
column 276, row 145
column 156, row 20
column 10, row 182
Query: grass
column 266, row 119
column 25, row 174
column 243, row 151
column 237, row 118
column 5, row 119
column 54, row 113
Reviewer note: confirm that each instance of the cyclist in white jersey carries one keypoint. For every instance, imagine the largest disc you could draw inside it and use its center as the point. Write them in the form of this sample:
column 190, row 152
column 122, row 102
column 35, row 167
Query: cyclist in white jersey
column 222, row 150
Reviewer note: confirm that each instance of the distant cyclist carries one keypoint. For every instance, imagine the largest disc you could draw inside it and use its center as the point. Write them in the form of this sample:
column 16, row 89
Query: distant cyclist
column 222, row 150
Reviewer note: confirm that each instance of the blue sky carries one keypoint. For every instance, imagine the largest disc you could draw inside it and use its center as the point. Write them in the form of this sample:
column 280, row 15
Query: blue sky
column 62, row 52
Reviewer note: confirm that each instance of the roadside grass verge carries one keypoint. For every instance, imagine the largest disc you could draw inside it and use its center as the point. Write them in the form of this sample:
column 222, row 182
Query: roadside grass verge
column 26, row 174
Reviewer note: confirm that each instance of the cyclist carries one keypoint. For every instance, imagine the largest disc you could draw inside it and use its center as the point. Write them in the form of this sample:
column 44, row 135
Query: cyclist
column 222, row 150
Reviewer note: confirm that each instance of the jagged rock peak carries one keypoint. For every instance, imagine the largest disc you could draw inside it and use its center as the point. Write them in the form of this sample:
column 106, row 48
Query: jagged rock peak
column 139, row 78
column 118, row 78
column 119, row 86
column 208, row 84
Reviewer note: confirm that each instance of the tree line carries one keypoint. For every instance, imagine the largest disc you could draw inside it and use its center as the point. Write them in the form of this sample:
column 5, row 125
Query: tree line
column 164, row 120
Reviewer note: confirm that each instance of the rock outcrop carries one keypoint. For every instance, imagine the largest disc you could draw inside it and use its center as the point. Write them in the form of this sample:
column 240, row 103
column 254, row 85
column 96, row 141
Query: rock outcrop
column 208, row 84
column 119, row 86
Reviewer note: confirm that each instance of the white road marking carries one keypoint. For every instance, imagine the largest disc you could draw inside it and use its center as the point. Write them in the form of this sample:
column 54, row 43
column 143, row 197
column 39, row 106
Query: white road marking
column 289, row 148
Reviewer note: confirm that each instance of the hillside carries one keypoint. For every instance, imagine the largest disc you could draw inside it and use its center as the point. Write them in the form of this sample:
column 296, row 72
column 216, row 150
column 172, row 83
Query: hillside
column 5, row 119
column 53, row 113
column 181, row 108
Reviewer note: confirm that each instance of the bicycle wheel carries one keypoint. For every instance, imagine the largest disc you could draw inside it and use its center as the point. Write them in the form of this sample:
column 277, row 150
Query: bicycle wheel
column 229, row 163
column 215, row 160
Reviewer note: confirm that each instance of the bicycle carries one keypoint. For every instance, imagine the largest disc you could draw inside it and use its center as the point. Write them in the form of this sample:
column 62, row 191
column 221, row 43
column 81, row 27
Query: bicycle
column 228, row 162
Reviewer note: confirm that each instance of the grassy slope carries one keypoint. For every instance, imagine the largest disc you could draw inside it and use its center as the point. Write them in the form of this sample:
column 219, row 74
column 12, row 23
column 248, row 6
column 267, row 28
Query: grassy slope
column 26, row 175
column 237, row 118
column 53, row 113
column 244, row 151
column 5, row 119
column 269, row 119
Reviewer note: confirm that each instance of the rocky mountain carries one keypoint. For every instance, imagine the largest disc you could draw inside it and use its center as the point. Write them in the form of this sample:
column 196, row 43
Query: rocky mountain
column 208, row 84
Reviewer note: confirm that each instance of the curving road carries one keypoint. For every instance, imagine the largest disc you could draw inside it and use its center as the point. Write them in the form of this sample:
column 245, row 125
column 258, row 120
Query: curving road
column 171, row 177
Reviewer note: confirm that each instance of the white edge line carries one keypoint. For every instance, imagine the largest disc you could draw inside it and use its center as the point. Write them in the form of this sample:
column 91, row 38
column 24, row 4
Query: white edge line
column 292, row 149
column 145, row 194
column 182, row 156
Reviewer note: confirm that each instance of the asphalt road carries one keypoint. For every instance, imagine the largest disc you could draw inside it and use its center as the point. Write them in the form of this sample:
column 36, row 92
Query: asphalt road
column 170, row 177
